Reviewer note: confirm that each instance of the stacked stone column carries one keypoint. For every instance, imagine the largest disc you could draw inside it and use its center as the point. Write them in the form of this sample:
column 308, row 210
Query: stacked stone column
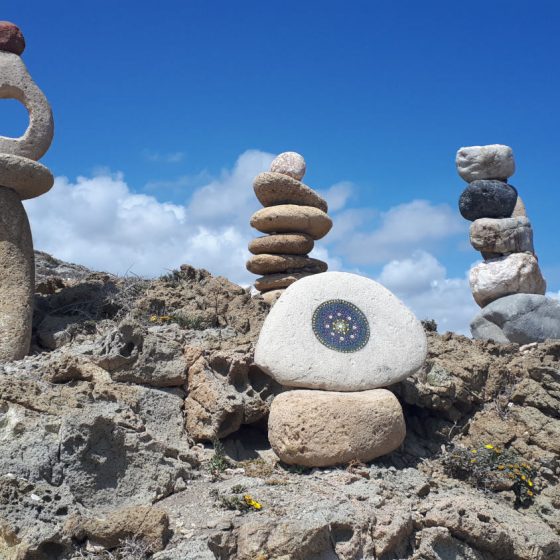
column 500, row 229
column 21, row 177
column 294, row 217
column 337, row 340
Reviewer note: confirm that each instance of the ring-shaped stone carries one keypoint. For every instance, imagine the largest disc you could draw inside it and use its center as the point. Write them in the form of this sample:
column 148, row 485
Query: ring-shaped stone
column 16, row 83
column 27, row 177
column 340, row 326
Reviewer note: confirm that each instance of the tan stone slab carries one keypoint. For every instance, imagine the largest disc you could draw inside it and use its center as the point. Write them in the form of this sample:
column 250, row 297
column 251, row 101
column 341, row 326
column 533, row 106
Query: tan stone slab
column 275, row 188
column 289, row 218
column 270, row 264
column 26, row 177
column 287, row 243
column 17, row 278
column 278, row 281
column 325, row 428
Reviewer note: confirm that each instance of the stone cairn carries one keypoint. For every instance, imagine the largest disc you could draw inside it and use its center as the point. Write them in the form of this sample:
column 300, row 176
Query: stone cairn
column 336, row 339
column 21, row 177
column 294, row 217
column 508, row 284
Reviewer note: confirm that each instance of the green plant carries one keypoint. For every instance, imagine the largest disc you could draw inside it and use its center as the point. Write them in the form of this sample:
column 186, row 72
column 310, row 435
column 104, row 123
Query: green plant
column 219, row 462
column 235, row 502
column 491, row 468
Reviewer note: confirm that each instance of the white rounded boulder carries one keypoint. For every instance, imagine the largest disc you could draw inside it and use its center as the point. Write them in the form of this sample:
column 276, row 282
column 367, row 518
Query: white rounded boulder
column 340, row 332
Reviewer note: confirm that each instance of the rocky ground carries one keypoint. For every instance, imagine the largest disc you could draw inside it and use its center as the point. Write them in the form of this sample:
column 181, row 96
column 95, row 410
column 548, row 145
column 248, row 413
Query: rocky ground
column 137, row 429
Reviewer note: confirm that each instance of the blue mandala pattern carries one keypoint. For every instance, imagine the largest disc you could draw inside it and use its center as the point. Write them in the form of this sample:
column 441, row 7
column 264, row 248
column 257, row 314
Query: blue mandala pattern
column 340, row 326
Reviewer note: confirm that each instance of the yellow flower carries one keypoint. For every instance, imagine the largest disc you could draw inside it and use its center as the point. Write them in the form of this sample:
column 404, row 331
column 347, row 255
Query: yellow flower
column 153, row 318
column 529, row 493
column 252, row 503
column 501, row 467
column 489, row 446
column 523, row 477
column 473, row 460
column 474, row 451
column 530, row 482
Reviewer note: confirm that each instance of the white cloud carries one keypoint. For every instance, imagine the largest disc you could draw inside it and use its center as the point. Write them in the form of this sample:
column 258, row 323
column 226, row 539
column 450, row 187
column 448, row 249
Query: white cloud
column 421, row 282
column 337, row 196
column 404, row 228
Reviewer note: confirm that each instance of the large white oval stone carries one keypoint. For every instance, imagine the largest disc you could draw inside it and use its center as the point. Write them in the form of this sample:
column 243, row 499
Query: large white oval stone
column 340, row 332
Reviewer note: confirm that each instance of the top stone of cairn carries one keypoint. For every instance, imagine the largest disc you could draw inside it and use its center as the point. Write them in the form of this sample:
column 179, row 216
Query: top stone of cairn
column 340, row 332
column 289, row 163
column 485, row 162
column 11, row 38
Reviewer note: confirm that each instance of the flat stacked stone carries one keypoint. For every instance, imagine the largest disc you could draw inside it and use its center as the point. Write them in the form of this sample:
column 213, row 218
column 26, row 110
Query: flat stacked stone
column 509, row 278
column 336, row 339
column 21, row 177
column 294, row 217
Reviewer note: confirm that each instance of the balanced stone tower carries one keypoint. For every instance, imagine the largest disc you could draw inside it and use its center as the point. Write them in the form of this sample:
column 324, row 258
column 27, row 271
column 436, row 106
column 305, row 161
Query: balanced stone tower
column 508, row 284
column 21, row 177
column 294, row 217
column 336, row 339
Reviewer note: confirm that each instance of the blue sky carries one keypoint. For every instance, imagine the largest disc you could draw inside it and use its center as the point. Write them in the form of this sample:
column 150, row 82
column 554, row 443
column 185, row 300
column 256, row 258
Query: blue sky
column 162, row 99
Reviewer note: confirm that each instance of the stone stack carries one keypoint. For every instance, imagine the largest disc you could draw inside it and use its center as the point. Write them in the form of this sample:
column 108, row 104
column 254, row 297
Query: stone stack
column 509, row 274
column 21, row 177
column 336, row 339
column 294, row 217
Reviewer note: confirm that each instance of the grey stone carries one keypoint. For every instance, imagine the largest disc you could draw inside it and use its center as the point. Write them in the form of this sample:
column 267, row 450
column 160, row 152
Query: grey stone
column 291, row 164
column 512, row 274
column 271, row 264
column 485, row 162
column 25, row 176
column 519, row 210
column 487, row 199
column 16, row 277
column 521, row 318
column 394, row 347
column 505, row 235
column 16, row 83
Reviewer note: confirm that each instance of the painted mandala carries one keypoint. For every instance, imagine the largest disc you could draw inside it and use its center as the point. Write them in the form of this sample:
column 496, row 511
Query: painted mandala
column 340, row 326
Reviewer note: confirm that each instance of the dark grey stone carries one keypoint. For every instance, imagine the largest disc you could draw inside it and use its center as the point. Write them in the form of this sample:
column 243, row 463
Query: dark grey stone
column 521, row 318
column 487, row 199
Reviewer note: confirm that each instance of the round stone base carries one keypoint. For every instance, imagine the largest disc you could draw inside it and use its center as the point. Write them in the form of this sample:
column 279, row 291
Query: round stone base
column 324, row 428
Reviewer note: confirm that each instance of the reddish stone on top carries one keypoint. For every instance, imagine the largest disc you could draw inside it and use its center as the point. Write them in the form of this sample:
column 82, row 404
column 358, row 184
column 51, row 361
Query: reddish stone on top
column 11, row 38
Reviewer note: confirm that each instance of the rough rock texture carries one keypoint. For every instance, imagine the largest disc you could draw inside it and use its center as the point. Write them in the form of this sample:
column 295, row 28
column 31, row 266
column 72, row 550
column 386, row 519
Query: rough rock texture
column 494, row 161
column 25, row 176
column 56, row 461
column 141, row 522
column 396, row 346
column 521, row 318
column 289, row 163
column 274, row 188
column 289, row 243
column 11, row 38
column 16, row 278
column 506, row 235
column 519, row 210
column 487, row 199
column 324, row 428
column 287, row 218
column 271, row 264
column 16, row 83
column 277, row 281
column 512, row 274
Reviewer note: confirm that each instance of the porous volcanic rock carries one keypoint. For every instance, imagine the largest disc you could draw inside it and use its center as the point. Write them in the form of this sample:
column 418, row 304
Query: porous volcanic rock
column 487, row 199
column 324, row 428
column 11, row 38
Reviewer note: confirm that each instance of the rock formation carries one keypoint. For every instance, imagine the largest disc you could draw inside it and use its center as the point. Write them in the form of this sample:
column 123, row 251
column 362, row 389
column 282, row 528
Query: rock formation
column 294, row 217
column 508, row 284
column 21, row 177
column 344, row 336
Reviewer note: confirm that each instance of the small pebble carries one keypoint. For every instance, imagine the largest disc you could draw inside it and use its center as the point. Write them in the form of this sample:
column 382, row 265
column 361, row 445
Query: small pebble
column 289, row 163
column 11, row 38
